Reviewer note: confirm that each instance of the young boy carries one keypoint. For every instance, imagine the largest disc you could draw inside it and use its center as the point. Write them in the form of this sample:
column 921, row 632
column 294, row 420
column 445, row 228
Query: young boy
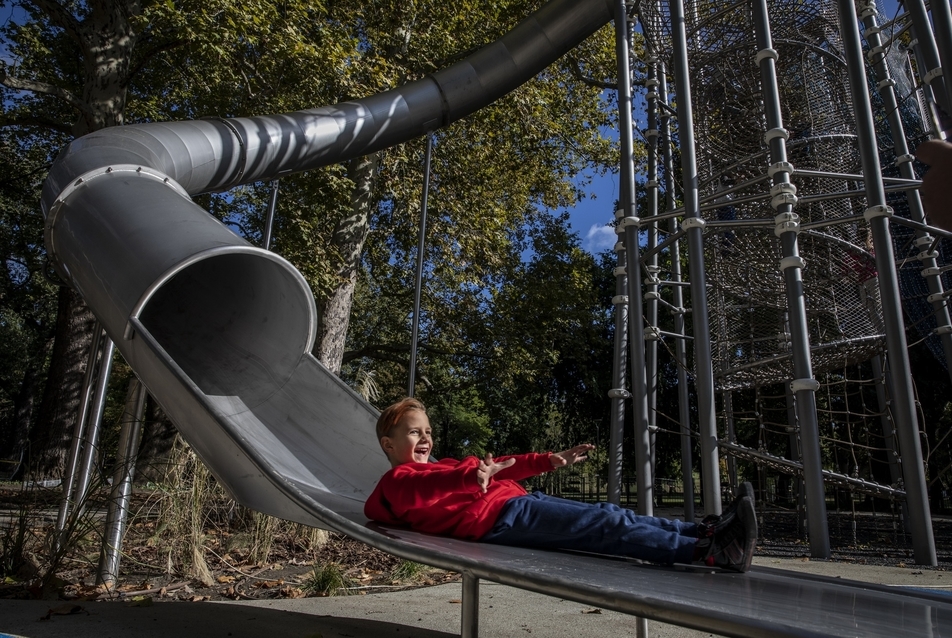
column 480, row 500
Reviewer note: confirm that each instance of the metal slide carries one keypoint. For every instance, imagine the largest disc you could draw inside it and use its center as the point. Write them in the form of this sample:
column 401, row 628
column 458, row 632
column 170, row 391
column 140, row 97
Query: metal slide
column 220, row 332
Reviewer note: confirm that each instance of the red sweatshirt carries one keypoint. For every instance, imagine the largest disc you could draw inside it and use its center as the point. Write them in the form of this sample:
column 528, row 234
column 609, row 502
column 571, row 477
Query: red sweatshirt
column 444, row 498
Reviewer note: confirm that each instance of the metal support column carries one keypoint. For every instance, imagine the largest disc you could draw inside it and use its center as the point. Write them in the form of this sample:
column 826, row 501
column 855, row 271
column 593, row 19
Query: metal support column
column 118, row 513
column 794, row 429
column 886, row 420
column 677, row 300
column 787, row 226
column 629, row 223
column 942, row 23
column 91, row 439
column 932, row 74
column 618, row 394
column 421, row 247
column 652, row 281
column 904, row 159
column 470, row 623
column 877, row 214
column 79, row 430
column 269, row 220
column 694, row 224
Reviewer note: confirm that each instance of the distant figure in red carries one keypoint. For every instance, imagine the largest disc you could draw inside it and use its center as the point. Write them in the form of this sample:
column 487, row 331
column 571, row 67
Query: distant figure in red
column 480, row 500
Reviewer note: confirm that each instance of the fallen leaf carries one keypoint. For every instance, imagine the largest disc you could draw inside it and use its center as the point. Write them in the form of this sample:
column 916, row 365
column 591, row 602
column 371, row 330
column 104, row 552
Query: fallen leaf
column 593, row 610
column 225, row 579
column 140, row 601
column 268, row 584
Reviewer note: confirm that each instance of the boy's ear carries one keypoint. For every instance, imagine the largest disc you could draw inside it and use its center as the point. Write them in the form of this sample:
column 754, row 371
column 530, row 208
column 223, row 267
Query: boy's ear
column 386, row 443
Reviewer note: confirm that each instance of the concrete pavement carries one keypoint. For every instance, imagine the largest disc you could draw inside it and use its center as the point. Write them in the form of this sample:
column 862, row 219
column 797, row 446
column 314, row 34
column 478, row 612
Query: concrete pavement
column 429, row 612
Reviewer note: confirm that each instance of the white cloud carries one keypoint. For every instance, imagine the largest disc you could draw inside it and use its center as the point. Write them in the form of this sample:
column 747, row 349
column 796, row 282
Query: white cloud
column 599, row 238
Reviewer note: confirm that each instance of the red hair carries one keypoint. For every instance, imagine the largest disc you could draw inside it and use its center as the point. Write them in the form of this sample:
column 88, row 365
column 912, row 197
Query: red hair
column 392, row 416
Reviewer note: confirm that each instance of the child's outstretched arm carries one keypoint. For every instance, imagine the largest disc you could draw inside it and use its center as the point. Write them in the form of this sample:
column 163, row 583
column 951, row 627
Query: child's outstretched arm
column 487, row 468
column 571, row 456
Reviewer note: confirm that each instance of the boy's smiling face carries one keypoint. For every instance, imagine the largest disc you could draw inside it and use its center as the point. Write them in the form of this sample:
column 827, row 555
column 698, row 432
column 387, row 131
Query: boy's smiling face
column 410, row 441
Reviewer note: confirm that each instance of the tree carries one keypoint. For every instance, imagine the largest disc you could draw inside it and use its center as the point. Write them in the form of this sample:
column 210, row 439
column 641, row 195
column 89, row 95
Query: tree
column 79, row 67
column 28, row 301
column 71, row 76
column 528, row 347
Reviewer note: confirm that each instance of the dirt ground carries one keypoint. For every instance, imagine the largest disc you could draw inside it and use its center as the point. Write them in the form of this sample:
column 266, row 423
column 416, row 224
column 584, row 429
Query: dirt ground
column 301, row 562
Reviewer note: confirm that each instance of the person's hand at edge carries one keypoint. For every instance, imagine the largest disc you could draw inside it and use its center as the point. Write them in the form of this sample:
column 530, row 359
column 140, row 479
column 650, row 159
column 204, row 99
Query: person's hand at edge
column 571, row 456
column 936, row 191
column 487, row 468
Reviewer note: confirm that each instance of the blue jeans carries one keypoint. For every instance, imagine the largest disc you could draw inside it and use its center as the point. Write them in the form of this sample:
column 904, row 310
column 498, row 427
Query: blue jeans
column 547, row 522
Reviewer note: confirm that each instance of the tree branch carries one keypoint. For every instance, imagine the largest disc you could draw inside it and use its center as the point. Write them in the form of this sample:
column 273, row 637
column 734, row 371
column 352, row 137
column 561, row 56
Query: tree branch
column 43, row 88
column 576, row 69
column 151, row 53
column 62, row 18
column 43, row 122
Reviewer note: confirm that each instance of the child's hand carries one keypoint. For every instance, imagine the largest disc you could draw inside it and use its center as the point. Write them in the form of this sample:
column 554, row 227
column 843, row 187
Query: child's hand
column 572, row 455
column 487, row 467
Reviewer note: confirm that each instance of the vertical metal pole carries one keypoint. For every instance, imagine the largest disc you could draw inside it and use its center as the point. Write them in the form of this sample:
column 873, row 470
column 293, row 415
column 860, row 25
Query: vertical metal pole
column 904, row 159
column 470, row 623
column 677, row 300
column 694, row 224
column 118, row 513
column 629, row 222
column 618, row 394
column 942, row 23
column 786, row 228
column 889, row 432
column 91, row 443
column 794, row 428
column 421, row 246
column 272, row 208
column 932, row 74
column 72, row 466
column 904, row 411
column 652, row 295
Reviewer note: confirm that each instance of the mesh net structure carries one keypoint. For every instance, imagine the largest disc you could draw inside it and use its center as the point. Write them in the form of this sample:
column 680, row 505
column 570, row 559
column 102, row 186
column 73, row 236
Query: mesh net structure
column 746, row 290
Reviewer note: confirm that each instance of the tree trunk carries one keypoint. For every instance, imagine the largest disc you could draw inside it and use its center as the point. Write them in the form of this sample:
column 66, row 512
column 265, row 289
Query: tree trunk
column 349, row 237
column 155, row 449
column 15, row 438
column 106, row 41
column 50, row 438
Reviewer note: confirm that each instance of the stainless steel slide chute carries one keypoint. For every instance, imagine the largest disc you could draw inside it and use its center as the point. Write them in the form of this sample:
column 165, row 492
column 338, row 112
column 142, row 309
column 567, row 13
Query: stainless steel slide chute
column 220, row 332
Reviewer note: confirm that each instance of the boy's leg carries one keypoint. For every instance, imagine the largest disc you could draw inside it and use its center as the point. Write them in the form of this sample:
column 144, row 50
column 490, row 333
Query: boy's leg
column 546, row 522
column 671, row 525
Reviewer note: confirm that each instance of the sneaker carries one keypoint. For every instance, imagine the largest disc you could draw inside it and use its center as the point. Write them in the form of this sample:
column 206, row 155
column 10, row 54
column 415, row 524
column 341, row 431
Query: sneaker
column 714, row 522
column 732, row 546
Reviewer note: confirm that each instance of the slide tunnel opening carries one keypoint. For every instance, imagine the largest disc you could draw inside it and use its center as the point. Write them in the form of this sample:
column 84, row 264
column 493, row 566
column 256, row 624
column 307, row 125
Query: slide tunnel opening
column 237, row 323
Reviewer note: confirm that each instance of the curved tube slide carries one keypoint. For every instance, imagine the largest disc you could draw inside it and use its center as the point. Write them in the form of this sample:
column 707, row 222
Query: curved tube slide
column 220, row 332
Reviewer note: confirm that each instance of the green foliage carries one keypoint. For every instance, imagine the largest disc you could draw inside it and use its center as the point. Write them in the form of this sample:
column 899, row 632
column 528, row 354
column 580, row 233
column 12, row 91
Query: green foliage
column 27, row 297
column 504, row 356
column 408, row 572
column 14, row 538
column 327, row 580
